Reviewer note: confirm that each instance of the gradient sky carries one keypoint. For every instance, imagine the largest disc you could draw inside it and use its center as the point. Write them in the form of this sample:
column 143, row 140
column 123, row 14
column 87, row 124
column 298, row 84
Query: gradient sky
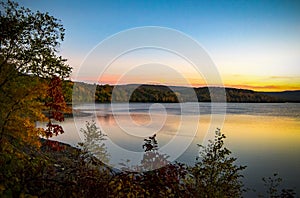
column 254, row 44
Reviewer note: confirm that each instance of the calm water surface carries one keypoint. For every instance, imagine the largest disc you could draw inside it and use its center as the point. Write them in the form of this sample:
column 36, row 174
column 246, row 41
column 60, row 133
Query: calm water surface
column 265, row 137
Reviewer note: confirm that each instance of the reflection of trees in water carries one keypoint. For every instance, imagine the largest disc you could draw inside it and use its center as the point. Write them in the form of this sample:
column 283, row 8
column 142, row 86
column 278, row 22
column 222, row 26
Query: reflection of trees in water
column 138, row 123
column 140, row 119
column 106, row 118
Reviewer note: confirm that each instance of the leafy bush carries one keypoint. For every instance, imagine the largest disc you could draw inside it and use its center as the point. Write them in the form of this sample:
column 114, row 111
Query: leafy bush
column 215, row 174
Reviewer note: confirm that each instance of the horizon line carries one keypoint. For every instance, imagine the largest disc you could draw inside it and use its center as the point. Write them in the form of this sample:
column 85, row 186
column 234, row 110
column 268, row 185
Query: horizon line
column 242, row 87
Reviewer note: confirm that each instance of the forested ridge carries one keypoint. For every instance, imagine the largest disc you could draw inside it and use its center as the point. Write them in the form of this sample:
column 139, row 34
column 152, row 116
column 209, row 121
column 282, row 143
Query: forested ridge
column 171, row 94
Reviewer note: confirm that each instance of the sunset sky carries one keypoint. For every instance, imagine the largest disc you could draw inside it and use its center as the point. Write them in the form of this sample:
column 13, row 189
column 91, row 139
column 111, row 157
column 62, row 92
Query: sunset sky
column 254, row 44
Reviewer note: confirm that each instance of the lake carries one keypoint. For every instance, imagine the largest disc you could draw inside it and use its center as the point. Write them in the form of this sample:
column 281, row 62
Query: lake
column 263, row 136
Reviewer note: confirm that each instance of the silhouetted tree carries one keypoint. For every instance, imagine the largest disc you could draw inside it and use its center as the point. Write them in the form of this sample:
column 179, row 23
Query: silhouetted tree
column 215, row 174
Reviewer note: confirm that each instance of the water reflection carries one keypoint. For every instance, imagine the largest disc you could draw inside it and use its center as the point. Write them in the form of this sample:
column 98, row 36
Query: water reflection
column 266, row 143
column 107, row 119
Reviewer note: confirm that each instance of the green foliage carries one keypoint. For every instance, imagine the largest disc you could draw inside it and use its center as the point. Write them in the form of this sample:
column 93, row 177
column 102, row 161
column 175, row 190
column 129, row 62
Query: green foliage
column 29, row 41
column 158, row 93
column 216, row 175
column 143, row 93
column 240, row 95
column 149, row 93
column 67, row 88
column 103, row 93
column 82, row 92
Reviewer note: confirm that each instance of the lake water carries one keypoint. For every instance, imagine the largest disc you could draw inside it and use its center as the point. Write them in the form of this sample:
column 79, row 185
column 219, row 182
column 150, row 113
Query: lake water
column 265, row 137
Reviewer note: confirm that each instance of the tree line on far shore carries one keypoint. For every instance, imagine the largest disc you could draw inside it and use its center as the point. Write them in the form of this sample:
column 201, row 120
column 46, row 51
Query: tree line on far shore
column 160, row 93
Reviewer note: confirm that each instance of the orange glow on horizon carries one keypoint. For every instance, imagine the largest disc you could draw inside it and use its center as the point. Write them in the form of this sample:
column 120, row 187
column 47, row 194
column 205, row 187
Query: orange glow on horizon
column 255, row 83
column 265, row 88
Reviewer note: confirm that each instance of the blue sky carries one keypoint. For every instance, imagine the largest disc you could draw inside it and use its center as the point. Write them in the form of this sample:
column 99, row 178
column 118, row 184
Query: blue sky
column 249, row 41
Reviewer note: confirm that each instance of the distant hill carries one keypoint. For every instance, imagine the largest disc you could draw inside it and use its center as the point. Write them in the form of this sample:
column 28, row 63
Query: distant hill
column 161, row 93
column 287, row 96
